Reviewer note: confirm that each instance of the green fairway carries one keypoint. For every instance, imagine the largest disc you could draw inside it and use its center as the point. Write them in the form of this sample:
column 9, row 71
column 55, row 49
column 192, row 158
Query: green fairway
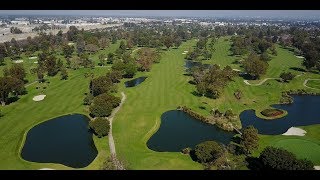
column 302, row 148
column 307, row 146
column 165, row 89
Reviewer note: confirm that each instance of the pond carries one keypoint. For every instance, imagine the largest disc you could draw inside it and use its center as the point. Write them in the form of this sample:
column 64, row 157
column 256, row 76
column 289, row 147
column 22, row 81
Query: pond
column 304, row 111
column 134, row 82
column 65, row 140
column 189, row 64
column 179, row 130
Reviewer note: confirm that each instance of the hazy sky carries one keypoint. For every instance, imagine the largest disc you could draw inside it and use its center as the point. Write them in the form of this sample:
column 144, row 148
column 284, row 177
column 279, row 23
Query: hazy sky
column 188, row 13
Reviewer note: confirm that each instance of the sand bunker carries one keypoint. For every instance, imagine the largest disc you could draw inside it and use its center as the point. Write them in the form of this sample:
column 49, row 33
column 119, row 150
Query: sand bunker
column 70, row 44
column 301, row 57
column 184, row 53
column 317, row 167
column 46, row 169
column 18, row 61
column 34, row 57
column 36, row 62
column 105, row 58
column 39, row 97
column 293, row 131
column 236, row 70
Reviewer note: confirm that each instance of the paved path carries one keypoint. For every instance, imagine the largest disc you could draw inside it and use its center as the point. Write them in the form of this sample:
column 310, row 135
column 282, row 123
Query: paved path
column 260, row 83
column 306, row 81
column 116, row 162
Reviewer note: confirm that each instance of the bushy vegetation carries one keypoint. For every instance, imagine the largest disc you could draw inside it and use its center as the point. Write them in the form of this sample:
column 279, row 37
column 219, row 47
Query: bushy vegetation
column 271, row 112
column 249, row 140
column 286, row 76
column 208, row 151
column 211, row 82
column 103, row 104
column 100, row 126
column 273, row 158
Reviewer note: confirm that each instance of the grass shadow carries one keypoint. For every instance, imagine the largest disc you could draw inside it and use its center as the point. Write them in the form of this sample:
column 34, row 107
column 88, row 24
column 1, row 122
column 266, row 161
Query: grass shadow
column 195, row 93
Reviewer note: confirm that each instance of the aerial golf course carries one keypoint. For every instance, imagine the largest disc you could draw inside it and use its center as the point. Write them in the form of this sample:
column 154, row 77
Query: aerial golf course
column 165, row 88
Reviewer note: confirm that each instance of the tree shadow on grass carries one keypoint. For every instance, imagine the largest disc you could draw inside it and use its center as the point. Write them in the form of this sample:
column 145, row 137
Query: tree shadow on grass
column 193, row 155
column 298, row 69
column 195, row 93
column 12, row 99
column 254, row 163
column 192, row 82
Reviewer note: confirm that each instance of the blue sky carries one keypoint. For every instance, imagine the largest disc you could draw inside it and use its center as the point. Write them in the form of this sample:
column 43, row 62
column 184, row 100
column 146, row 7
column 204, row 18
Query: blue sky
column 188, row 13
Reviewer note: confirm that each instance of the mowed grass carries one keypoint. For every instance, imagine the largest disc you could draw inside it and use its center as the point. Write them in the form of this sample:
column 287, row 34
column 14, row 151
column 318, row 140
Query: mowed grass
column 314, row 83
column 166, row 88
column 63, row 97
column 307, row 146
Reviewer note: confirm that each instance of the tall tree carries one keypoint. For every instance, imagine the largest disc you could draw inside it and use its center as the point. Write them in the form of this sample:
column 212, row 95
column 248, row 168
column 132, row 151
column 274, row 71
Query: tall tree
column 10, row 85
column 249, row 140
column 67, row 50
column 16, row 71
column 254, row 66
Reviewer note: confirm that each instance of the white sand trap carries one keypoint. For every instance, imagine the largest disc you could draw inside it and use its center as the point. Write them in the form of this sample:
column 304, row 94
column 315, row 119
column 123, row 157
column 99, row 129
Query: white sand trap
column 39, row 97
column 36, row 62
column 184, row 53
column 46, row 169
column 317, row 167
column 105, row 58
column 293, row 131
column 236, row 70
column 34, row 57
column 301, row 57
column 70, row 44
column 18, row 61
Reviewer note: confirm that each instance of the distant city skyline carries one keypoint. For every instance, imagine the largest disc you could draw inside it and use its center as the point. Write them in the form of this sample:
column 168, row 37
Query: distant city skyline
column 314, row 14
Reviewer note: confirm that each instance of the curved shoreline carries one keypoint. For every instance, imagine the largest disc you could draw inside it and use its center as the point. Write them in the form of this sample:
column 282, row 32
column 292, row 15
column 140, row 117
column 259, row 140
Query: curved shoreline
column 306, row 81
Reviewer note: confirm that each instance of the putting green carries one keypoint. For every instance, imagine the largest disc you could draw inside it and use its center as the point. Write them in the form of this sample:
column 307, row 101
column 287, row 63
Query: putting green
column 301, row 148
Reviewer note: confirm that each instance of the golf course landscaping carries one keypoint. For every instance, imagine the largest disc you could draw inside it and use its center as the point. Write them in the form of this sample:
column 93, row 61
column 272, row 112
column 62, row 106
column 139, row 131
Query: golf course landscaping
column 153, row 93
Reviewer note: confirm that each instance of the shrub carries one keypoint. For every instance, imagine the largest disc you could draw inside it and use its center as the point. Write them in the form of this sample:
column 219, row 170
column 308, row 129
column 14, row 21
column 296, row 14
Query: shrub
column 88, row 99
column 271, row 112
column 186, row 150
column 238, row 94
column 100, row 126
column 208, row 151
column 286, row 77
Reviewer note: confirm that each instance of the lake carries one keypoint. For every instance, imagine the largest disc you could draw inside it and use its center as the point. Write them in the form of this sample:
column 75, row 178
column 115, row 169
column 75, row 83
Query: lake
column 179, row 130
column 134, row 82
column 304, row 111
column 65, row 140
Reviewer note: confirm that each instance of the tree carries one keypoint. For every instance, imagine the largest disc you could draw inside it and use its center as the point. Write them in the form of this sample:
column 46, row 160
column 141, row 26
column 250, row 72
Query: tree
column 115, row 76
column 16, row 71
column 201, row 88
column 265, row 57
column 131, row 69
column 102, row 59
column 92, row 48
column 103, row 104
column 3, row 53
column 104, row 42
column 110, row 58
column 64, row 73
column 254, row 66
column 100, row 85
column 80, row 44
column 67, row 50
column 100, row 126
column 208, row 151
column 168, row 41
column 10, row 85
column 51, row 65
column 85, row 61
column 88, row 99
column 72, row 33
column 75, row 62
column 286, row 76
column 249, row 140
column 280, row 159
